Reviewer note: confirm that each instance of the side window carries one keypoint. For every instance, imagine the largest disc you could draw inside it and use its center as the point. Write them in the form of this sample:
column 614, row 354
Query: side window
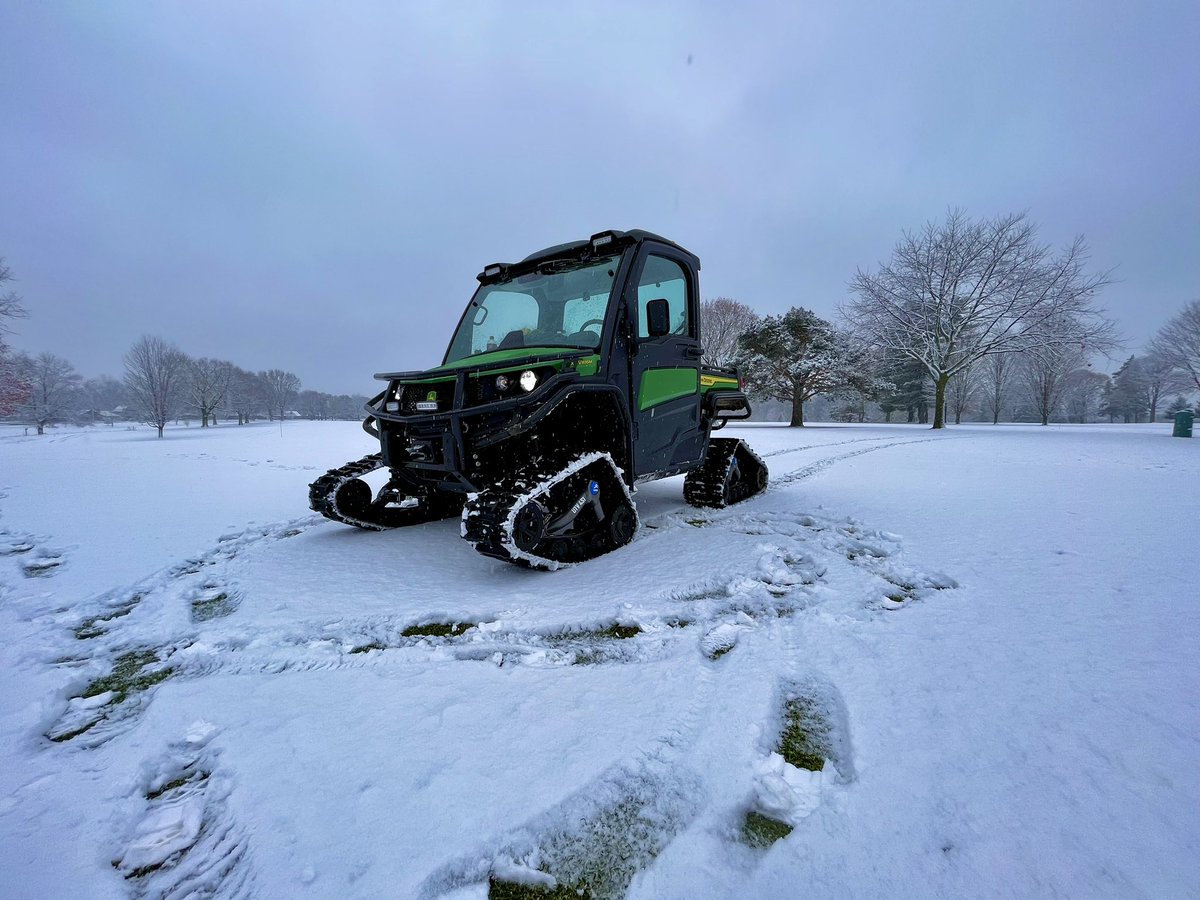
column 664, row 278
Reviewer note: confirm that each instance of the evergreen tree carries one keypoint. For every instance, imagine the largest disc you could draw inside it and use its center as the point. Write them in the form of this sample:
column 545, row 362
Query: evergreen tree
column 795, row 356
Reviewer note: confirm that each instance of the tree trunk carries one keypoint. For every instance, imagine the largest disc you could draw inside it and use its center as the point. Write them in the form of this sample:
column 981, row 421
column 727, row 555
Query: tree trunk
column 160, row 430
column 887, row 416
column 797, row 411
column 939, row 401
column 41, row 427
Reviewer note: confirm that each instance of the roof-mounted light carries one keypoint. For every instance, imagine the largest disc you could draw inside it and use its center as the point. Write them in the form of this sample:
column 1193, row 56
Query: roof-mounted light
column 491, row 272
column 603, row 239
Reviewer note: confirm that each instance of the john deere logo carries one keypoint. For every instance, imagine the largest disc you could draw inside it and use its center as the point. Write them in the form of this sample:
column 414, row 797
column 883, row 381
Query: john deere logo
column 432, row 396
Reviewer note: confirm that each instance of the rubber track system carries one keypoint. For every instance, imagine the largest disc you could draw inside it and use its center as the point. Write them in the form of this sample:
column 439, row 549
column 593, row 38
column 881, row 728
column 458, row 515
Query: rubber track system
column 732, row 472
column 342, row 496
column 522, row 519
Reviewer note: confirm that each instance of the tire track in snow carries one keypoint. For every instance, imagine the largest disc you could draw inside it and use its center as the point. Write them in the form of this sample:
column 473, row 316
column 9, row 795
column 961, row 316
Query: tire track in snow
column 823, row 464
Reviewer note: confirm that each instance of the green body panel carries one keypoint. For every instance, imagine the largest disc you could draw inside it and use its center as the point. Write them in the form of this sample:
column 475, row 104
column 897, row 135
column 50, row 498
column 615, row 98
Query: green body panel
column 660, row 385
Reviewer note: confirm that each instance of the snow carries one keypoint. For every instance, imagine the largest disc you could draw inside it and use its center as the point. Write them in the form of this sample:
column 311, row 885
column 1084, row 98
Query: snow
column 996, row 626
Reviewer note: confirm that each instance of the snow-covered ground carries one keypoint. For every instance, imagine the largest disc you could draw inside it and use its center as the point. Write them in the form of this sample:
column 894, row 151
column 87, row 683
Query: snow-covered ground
column 992, row 631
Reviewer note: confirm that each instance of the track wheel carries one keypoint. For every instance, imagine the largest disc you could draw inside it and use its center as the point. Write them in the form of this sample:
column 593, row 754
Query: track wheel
column 353, row 498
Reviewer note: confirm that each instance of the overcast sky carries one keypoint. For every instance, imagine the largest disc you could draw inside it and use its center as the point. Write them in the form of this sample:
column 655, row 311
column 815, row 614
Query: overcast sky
column 314, row 186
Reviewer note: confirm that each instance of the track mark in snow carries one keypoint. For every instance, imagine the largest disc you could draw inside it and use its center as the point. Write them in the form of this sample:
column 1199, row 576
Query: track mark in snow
column 595, row 842
column 108, row 703
column 42, row 561
column 809, row 756
column 16, row 542
column 184, row 843
column 785, row 450
column 115, row 607
column 823, row 464
column 213, row 600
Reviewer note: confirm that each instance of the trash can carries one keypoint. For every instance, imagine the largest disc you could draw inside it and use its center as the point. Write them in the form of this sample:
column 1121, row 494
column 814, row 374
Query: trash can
column 1183, row 424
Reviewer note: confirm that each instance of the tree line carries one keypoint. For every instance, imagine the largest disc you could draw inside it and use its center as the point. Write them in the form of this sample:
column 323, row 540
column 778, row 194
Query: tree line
column 970, row 318
column 161, row 384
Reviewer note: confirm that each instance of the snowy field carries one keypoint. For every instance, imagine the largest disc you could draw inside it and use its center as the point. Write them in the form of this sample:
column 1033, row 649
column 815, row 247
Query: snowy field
column 990, row 636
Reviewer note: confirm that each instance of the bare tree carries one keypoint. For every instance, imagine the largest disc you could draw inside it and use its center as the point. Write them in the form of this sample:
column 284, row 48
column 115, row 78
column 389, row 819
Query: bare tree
column 245, row 396
column 798, row 355
column 54, row 389
column 723, row 321
column 156, row 377
column 996, row 376
column 1082, row 392
column 1178, row 342
column 13, row 389
column 281, row 390
column 1044, row 373
column 962, row 388
column 961, row 290
column 1162, row 377
column 208, row 381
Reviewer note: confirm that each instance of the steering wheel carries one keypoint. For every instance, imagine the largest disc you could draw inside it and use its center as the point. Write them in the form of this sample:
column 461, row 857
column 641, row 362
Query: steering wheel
column 585, row 325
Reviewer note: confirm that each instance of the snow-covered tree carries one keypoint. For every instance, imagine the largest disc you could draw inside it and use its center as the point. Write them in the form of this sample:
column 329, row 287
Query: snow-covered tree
column 13, row 389
column 245, row 396
column 961, row 391
column 281, row 390
column 1127, row 397
column 961, row 290
column 795, row 356
column 904, row 386
column 1082, row 393
column 723, row 320
column 156, row 378
column 1043, row 374
column 996, row 374
column 208, row 380
column 1162, row 377
column 53, row 389
column 1178, row 342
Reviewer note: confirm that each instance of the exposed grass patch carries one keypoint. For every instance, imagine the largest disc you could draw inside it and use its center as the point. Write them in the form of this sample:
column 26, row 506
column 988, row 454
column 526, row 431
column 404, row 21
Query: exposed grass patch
column 614, row 632
column 805, row 741
column 93, row 626
column 367, row 648
column 437, row 629
column 129, row 676
column 698, row 523
column 507, row 890
column 597, row 862
column 761, row 831
column 217, row 606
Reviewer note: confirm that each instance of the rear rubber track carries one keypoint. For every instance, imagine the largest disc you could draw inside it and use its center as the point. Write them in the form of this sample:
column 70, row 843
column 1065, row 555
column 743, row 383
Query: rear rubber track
column 732, row 472
column 337, row 495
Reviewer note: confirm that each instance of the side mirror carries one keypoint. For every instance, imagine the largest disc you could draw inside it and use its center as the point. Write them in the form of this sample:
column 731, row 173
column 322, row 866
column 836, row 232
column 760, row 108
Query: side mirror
column 658, row 317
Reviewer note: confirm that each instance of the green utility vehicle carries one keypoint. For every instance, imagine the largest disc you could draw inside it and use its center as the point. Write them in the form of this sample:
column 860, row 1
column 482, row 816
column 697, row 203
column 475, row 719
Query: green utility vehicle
column 573, row 376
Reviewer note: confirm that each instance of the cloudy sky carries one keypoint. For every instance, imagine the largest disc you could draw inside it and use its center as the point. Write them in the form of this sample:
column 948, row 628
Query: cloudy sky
column 314, row 186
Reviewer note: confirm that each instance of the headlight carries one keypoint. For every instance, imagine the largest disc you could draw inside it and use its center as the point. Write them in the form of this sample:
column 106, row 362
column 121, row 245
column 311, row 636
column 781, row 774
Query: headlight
column 502, row 383
column 528, row 380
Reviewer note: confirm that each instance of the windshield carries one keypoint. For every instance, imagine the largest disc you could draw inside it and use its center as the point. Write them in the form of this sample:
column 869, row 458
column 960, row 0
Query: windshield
column 562, row 304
